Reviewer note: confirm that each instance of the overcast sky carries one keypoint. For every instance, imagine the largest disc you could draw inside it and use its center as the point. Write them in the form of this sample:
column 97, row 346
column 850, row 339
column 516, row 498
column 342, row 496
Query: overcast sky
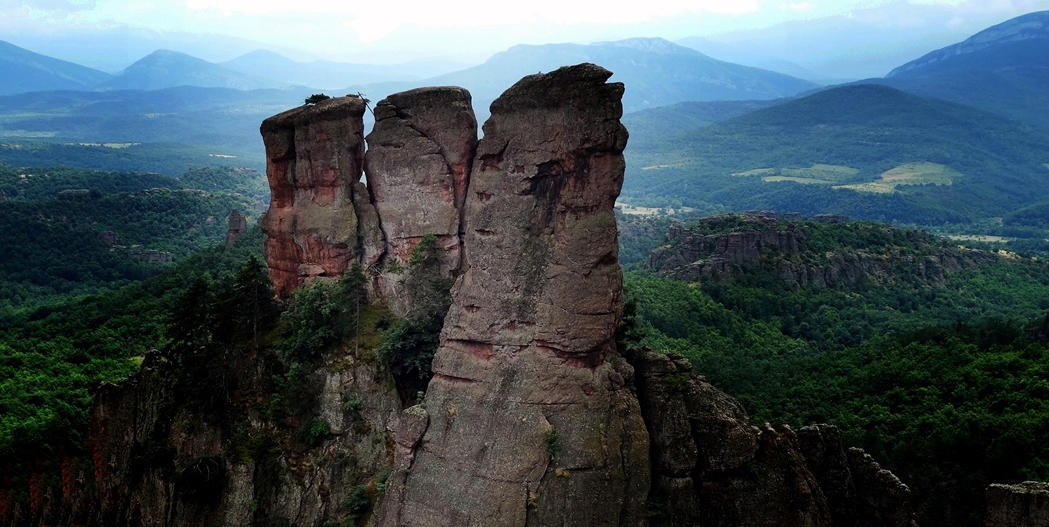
column 470, row 30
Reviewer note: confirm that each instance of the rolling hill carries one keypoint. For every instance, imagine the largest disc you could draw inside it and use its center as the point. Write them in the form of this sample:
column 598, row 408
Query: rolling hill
column 177, row 127
column 1003, row 69
column 282, row 71
column 23, row 71
column 867, row 151
column 685, row 116
column 167, row 69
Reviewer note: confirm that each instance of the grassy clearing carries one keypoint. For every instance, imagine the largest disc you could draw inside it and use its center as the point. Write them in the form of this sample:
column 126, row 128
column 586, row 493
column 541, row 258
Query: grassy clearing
column 907, row 174
column 758, row 172
column 986, row 238
column 835, row 173
column 802, row 180
column 817, row 174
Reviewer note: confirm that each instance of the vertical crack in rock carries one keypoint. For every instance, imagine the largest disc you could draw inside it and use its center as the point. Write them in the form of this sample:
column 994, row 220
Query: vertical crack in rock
column 315, row 157
column 417, row 167
column 547, row 433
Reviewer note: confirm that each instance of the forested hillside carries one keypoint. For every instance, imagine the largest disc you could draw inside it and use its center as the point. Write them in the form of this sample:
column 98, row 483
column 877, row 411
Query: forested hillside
column 74, row 231
column 944, row 382
column 867, row 151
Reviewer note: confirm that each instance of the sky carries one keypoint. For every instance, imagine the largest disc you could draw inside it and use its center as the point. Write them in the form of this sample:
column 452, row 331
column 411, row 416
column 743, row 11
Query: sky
column 466, row 31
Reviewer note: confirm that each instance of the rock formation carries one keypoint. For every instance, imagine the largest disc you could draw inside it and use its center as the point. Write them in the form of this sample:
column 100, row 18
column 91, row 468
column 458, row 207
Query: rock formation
column 691, row 255
column 315, row 157
column 417, row 167
column 238, row 225
column 532, row 418
column 1022, row 505
column 529, row 409
column 710, row 467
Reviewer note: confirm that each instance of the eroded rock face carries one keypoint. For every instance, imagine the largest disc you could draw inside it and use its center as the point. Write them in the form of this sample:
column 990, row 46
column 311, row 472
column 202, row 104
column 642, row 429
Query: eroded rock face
column 1022, row 505
column 417, row 166
column 530, row 408
column 315, row 155
column 710, row 467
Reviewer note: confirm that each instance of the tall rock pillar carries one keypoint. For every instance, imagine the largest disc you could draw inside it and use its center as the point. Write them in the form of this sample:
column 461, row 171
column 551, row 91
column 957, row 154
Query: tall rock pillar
column 417, row 166
column 532, row 420
column 315, row 157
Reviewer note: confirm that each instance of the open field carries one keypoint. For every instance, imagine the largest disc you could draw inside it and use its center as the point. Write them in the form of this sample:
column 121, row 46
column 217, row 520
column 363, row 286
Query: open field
column 907, row 174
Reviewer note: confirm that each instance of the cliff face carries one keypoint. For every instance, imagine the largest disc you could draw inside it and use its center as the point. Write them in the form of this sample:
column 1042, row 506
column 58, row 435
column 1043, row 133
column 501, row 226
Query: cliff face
column 691, row 255
column 711, row 467
column 532, row 417
column 1022, row 505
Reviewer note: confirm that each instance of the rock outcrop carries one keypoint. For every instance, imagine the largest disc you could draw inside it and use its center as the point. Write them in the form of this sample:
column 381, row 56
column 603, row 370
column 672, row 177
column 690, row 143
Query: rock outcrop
column 315, row 158
column 692, row 255
column 417, row 166
column 530, row 408
column 710, row 467
column 1022, row 505
column 238, row 225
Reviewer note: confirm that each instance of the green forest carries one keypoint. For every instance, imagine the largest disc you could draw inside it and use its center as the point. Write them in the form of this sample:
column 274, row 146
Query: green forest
column 71, row 232
column 948, row 386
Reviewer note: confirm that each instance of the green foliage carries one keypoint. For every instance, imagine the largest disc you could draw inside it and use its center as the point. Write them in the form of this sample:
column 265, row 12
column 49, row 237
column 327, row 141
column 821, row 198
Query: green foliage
column 246, row 181
column 935, row 382
column 55, row 248
column 315, row 431
column 52, row 356
column 552, row 438
column 322, row 314
column 409, row 344
column 169, row 159
column 358, row 502
column 316, row 98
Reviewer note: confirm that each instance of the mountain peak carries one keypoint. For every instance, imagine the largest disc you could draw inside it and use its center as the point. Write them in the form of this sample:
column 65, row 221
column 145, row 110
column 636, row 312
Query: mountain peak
column 651, row 45
column 1031, row 26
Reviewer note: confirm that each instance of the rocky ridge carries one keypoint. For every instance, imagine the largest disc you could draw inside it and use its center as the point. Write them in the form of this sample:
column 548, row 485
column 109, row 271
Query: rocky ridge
column 533, row 416
column 781, row 248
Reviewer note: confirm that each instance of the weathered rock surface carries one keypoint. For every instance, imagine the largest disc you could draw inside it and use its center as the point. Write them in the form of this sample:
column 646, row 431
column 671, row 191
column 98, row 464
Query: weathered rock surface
column 710, row 467
column 1022, row 505
column 417, row 166
column 693, row 256
column 315, row 155
column 530, row 408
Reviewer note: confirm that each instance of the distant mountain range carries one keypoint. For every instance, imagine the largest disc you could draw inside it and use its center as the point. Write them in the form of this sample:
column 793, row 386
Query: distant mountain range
column 23, row 71
column 1003, row 69
column 657, row 72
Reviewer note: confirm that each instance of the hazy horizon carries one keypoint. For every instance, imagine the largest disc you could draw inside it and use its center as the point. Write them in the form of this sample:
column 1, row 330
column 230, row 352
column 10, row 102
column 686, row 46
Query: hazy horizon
column 849, row 38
